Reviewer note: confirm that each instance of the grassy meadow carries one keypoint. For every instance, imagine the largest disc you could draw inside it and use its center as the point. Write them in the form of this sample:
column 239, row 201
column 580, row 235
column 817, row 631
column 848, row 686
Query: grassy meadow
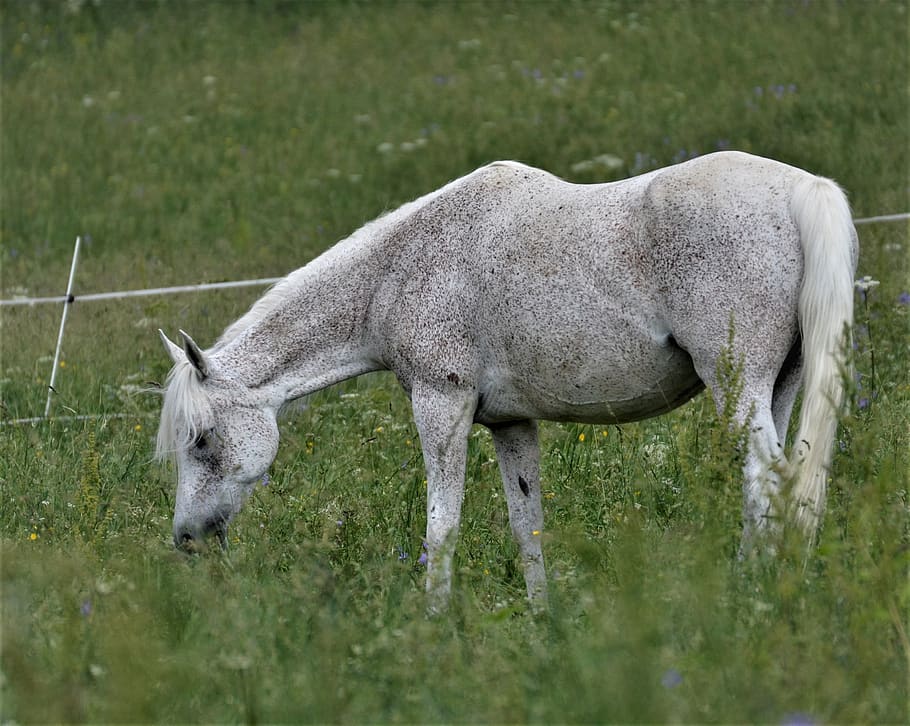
column 209, row 141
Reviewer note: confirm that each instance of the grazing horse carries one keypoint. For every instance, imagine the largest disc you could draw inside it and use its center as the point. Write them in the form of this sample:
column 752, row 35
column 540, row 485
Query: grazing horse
column 509, row 296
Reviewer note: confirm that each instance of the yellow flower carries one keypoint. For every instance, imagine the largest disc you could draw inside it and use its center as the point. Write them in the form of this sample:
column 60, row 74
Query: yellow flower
column 137, row 427
column 604, row 432
column 33, row 536
column 536, row 533
column 581, row 437
column 63, row 364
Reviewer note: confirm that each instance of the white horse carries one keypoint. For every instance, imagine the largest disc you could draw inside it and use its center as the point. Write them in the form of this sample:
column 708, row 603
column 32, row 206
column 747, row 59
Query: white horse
column 509, row 296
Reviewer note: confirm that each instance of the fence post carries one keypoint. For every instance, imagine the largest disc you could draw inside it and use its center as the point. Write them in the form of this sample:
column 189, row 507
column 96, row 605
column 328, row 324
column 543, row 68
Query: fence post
column 66, row 307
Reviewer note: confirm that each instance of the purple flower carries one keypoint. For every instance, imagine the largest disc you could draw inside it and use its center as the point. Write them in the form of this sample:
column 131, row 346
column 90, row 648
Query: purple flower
column 797, row 719
column 671, row 679
column 402, row 555
column 265, row 479
column 422, row 560
column 863, row 403
column 86, row 608
column 903, row 298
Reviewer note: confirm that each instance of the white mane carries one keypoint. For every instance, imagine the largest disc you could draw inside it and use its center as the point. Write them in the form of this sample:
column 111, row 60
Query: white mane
column 186, row 403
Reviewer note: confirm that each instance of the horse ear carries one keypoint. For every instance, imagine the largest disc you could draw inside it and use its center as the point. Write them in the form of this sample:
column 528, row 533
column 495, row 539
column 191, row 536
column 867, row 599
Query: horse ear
column 173, row 350
column 195, row 356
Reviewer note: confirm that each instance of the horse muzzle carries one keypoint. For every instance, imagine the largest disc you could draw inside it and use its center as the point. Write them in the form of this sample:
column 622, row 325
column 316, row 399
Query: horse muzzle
column 193, row 539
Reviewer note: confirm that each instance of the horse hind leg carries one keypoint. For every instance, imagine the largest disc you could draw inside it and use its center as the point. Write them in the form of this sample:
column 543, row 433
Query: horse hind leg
column 518, row 453
column 764, row 457
column 786, row 388
column 763, row 464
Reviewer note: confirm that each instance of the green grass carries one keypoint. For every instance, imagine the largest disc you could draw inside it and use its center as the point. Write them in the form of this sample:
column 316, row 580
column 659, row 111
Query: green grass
column 203, row 142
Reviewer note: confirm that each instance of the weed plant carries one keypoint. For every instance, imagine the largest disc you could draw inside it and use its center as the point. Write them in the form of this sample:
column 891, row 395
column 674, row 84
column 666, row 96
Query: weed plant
column 192, row 142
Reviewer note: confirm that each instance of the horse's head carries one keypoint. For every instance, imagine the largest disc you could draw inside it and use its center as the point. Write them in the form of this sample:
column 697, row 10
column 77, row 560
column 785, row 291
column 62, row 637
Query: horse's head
column 222, row 437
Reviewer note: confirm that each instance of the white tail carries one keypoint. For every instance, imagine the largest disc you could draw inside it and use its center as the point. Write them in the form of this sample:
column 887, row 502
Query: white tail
column 830, row 248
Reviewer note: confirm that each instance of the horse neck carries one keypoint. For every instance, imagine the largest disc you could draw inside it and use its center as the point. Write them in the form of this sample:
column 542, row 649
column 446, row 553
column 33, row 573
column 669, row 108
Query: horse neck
column 310, row 331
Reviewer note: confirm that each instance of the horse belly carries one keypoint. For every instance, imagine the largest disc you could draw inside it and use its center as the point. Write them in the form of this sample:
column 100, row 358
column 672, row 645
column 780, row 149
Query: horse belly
column 606, row 386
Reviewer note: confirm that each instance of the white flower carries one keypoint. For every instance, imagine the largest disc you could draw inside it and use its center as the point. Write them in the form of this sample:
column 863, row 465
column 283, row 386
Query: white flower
column 209, row 80
column 609, row 161
column 582, row 166
column 88, row 101
column 470, row 44
column 385, row 147
column 866, row 284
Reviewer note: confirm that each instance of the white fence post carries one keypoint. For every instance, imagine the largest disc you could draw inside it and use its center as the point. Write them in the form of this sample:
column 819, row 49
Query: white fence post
column 66, row 307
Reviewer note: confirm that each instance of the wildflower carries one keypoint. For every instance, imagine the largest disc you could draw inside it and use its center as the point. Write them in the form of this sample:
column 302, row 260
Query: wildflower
column 385, row 147
column 797, row 719
column 863, row 403
column 88, row 101
column 209, row 80
column 903, row 298
column 137, row 427
column 865, row 284
column 377, row 430
column 536, row 533
column 402, row 555
column 86, row 608
column 581, row 437
column 265, row 479
column 422, row 560
column 33, row 536
column 63, row 364
column 671, row 678
column 604, row 433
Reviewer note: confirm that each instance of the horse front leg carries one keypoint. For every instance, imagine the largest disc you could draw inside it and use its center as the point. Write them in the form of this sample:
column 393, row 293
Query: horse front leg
column 443, row 420
column 519, row 462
